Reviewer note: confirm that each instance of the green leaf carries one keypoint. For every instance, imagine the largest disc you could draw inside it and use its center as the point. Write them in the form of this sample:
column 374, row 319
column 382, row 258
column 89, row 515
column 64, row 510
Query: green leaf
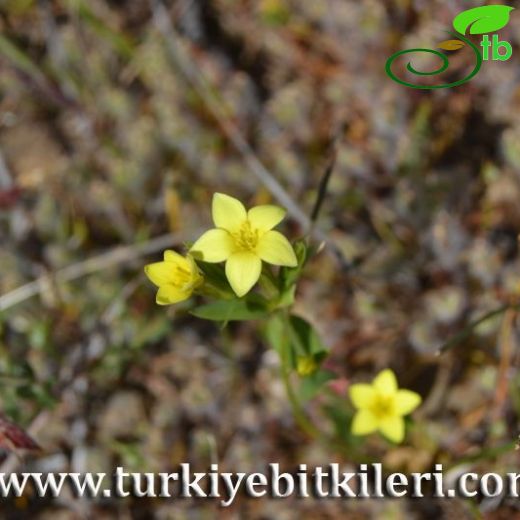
column 216, row 275
column 289, row 275
column 309, row 343
column 230, row 310
column 286, row 299
column 481, row 20
column 276, row 335
column 299, row 342
column 312, row 384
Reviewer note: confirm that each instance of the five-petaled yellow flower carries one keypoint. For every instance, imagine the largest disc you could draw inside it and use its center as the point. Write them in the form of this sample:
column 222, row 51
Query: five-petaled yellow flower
column 243, row 239
column 177, row 277
column 382, row 406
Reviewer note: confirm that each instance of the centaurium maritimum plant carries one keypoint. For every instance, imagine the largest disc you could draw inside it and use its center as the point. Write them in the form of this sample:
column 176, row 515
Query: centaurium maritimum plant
column 256, row 256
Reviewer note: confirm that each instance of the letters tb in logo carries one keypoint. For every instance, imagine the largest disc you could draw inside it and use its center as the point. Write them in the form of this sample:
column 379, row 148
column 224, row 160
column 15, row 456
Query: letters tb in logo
column 500, row 50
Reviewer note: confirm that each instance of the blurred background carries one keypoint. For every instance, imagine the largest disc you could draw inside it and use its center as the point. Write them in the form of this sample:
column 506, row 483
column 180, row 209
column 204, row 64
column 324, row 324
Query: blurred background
column 118, row 121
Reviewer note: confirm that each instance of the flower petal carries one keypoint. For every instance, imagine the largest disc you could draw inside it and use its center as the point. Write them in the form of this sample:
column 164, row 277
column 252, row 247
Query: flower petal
column 265, row 217
column 385, row 382
column 362, row 395
column 168, row 294
column 275, row 249
column 160, row 273
column 364, row 422
column 392, row 427
column 216, row 245
column 191, row 264
column 406, row 401
column 243, row 271
column 228, row 213
column 173, row 256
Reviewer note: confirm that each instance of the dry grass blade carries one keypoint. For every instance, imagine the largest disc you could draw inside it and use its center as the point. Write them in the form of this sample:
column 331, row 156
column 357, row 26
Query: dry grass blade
column 122, row 254
column 199, row 83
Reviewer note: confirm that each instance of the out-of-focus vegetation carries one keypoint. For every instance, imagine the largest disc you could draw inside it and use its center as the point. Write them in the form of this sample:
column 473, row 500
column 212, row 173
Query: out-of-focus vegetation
column 118, row 121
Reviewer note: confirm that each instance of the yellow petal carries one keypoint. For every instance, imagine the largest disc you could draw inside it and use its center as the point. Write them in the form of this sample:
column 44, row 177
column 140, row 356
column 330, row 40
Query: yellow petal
column 173, row 256
column 392, row 427
column 364, row 422
column 168, row 294
column 265, row 217
column 228, row 213
column 243, row 271
column 192, row 266
column 216, row 245
column 406, row 401
column 362, row 395
column 275, row 249
column 385, row 382
column 160, row 273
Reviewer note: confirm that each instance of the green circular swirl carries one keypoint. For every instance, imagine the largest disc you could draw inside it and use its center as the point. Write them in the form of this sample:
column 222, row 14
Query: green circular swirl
column 439, row 70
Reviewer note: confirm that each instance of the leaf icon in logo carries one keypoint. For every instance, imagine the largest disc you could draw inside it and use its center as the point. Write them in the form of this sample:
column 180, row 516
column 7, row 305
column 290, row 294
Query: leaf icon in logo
column 451, row 45
column 481, row 20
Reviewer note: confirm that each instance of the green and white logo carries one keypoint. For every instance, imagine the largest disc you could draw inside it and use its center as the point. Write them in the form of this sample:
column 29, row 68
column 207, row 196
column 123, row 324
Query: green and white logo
column 479, row 20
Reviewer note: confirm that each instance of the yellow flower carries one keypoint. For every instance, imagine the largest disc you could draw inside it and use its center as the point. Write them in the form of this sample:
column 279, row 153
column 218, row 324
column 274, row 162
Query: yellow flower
column 177, row 277
column 382, row 406
column 243, row 239
column 306, row 365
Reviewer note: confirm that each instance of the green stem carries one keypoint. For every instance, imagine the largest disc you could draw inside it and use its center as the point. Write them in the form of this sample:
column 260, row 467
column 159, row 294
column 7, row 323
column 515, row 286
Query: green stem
column 297, row 409
column 324, row 183
column 208, row 289
column 269, row 284
column 486, row 454
column 295, row 339
column 467, row 331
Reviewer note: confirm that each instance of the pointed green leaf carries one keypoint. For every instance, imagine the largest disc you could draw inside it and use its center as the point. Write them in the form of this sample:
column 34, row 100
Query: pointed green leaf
column 230, row 310
column 482, row 20
column 299, row 341
column 290, row 275
column 216, row 275
column 287, row 297
column 309, row 343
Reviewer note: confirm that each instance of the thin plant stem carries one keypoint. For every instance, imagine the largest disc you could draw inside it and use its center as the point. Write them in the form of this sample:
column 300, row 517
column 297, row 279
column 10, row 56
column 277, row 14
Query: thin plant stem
column 487, row 454
column 468, row 330
column 303, row 421
column 322, row 188
column 113, row 257
column 298, row 413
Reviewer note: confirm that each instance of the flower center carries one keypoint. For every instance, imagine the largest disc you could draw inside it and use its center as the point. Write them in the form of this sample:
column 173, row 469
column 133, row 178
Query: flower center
column 246, row 238
column 384, row 406
column 183, row 277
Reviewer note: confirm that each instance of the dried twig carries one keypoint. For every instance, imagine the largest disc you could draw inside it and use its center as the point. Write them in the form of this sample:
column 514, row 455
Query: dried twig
column 119, row 255
column 468, row 330
column 324, row 183
column 216, row 106
column 162, row 21
column 199, row 83
column 507, row 343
